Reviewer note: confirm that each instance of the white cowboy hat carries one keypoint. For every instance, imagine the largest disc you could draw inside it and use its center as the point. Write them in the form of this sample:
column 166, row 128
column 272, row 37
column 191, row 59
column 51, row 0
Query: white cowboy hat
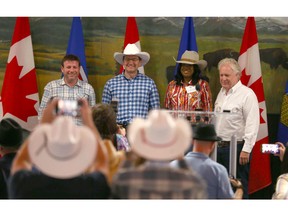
column 192, row 57
column 132, row 49
column 62, row 149
column 159, row 137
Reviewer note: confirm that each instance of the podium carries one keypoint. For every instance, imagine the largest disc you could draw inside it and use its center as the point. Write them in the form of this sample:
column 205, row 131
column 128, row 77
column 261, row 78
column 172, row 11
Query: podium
column 195, row 117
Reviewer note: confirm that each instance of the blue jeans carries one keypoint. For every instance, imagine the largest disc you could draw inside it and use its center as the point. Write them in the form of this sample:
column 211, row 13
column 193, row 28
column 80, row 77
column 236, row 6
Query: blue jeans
column 242, row 173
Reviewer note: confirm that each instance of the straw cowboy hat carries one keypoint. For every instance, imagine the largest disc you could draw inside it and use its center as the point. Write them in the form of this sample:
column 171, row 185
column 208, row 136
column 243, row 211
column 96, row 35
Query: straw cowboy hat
column 205, row 132
column 132, row 49
column 11, row 133
column 192, row 57
column 160, row 136
column 62, row 149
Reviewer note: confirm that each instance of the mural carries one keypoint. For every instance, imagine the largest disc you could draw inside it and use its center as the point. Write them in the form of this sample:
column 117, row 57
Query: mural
column 217, row 37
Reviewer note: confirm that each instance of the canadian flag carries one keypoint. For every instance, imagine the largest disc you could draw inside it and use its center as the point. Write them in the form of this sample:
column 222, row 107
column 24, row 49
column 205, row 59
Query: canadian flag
column 19, row 96
column 132, row 37
column 249, row 60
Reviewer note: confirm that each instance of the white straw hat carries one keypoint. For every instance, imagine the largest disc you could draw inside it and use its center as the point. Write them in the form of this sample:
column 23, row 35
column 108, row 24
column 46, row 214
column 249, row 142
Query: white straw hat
column 159, row 137
column 132, row 49
column 62, row 149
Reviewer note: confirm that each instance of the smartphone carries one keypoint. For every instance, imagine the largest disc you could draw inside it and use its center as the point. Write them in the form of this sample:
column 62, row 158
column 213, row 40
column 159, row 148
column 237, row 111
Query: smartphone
column 270, row 148
column 68, row 108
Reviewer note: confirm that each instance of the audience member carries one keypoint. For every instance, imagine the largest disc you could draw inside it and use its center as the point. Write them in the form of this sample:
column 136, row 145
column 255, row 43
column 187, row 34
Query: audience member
column 104, row 119
column 281, row 189
column 214, row 174
column 135, row 92
column 189, row 91
column 243, row 122
column 72, row 160
column 11, row 137
column 158, row 139
column 70, row 87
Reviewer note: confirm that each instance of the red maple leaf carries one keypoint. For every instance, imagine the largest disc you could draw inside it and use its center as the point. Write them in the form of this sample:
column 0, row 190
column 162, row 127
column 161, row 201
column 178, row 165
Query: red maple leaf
column 262, row 121
column 16, row 89
column 257, row 87
column 245, row 78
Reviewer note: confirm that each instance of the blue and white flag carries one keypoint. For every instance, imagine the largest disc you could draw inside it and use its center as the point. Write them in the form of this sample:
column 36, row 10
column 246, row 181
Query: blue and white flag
column 76, row 46
column 283, row 124
column 188, row 39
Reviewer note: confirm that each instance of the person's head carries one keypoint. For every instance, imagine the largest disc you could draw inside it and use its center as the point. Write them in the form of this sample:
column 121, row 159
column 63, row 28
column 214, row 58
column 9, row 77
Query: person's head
column 12, row 135
column 70, row 67
column 104, row 118
column 62, row 149
column 190, row 67
column 160, row 137
column 229, row 72
column 132, row 58
column 204, row 138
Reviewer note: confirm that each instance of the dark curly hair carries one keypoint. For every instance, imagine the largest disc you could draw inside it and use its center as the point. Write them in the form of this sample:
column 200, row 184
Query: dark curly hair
column 196, row 76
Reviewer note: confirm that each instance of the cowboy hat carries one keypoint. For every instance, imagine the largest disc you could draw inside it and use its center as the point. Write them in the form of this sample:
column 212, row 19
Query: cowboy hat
column 205, row 132
column 132, row 49
column 192, row 57
column 62, row 149
column 11, row 133
column 159, row 137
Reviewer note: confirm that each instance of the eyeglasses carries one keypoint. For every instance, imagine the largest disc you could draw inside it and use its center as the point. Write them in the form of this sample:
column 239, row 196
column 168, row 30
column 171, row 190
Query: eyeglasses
column 135, row 59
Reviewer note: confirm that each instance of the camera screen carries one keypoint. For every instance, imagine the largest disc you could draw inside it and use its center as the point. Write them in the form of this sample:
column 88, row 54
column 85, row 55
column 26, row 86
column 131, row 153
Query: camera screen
column 67, row 108
column 270, row 148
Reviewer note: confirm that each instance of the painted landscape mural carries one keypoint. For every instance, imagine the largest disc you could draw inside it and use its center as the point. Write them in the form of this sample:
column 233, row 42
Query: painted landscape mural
column 217, row 37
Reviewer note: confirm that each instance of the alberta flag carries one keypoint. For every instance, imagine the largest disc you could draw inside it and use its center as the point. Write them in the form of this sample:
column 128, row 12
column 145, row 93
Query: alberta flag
column 188, row 39
column 132, row 37
column 249, row 61
column 76, row 46
column 283, row 124
column 19, row 96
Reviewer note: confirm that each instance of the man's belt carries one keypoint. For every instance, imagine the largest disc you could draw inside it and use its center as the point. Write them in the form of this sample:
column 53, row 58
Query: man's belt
column 222, row 144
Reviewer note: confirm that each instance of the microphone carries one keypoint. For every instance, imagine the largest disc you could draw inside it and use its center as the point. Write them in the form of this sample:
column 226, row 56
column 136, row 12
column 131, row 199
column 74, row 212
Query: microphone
column 198, row 88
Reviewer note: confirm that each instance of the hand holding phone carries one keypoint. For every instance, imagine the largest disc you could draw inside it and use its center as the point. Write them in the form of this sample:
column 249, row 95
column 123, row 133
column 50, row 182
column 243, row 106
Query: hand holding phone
column 68, row 108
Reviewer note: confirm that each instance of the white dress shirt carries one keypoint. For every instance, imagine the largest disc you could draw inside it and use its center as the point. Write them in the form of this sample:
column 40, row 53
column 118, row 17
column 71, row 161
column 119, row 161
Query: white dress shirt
column 243, row 119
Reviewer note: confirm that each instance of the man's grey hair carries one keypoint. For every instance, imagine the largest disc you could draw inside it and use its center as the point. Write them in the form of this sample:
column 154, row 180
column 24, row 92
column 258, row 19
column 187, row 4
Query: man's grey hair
column 233, row 64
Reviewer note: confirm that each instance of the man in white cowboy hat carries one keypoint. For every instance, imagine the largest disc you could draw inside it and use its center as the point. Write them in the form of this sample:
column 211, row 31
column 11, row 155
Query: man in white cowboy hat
column 71, row 161
column 214, row 174
column 190, row 90
column 136, row 93
column 158, row 139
